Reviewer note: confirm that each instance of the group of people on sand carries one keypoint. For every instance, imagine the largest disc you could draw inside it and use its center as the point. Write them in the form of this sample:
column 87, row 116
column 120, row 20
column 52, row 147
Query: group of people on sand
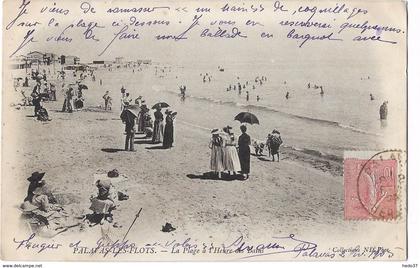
column 229, row 155
column 160, row 130
column 42, row 91
column 163, row 132
column 73, row 98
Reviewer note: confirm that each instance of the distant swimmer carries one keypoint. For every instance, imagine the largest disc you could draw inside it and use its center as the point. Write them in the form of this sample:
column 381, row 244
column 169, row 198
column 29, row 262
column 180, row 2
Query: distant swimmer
column 309, row 85
column 247, row 96
column 321, row 92
column 383, row 111
column 372, row 97
column 258, row 98
column 287, row 95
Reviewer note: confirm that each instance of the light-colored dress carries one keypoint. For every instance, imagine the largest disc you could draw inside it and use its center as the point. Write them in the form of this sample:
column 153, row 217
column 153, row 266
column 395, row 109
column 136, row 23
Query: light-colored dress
column 158, row 127
column 216, row 160
column 230, row 154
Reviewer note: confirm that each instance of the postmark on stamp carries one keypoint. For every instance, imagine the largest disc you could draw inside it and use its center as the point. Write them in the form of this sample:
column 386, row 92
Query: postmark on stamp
column 371, row 186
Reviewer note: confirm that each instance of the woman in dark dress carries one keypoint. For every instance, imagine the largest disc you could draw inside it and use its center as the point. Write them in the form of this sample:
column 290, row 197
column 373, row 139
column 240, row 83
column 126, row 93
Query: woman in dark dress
column 168, row 134
column 244, row 152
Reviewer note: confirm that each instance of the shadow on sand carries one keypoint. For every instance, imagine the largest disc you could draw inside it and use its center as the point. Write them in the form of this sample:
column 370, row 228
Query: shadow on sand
column 142, row 141
column 264, row 159
column 213, row 176
column 111, row 150
column 157, row 147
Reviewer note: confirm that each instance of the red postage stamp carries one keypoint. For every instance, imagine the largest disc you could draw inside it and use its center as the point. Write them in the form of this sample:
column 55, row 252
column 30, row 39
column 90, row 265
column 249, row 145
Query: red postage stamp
column 370, row 190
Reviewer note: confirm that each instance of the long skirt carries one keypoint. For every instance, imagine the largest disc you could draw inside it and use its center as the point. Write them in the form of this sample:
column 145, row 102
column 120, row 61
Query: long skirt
column 231, row 159
column 244, row 158
column 216, row 160
column 141, row 123
column 168, row 136
column 157, row 132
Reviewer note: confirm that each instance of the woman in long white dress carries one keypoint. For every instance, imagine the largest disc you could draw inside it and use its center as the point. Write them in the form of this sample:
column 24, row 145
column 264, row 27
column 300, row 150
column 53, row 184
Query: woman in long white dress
column 216, row 146
column 230, row 154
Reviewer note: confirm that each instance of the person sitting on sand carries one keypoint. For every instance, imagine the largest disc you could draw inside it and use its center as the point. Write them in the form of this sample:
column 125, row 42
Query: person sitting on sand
column 216, row 159
column 244, row 152
column 102, row 205
column 39, row 193
column 273, row 142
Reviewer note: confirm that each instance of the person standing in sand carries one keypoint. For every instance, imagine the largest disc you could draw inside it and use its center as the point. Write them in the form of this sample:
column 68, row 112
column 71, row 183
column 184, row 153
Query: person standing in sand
column 143, row 111
column 244, row 152
column 216, row 159
column 158, row 126
column 383, row 111
column 168, row 134
column 106, row 98
column 130, row 123
column 230, row 155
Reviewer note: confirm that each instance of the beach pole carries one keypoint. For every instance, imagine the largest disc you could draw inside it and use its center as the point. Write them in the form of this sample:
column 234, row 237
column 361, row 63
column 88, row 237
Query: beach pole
column 137, row 215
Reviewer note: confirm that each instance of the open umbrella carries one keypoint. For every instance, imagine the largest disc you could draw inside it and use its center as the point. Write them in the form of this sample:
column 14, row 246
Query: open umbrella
column 247, row 117
column 161, row 105
column 129, row 112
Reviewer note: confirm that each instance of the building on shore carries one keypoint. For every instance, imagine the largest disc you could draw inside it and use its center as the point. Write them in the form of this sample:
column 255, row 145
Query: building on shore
column 69, row 60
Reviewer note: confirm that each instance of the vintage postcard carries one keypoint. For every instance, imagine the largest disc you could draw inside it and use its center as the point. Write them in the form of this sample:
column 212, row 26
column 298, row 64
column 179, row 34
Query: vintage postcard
column 204, row 130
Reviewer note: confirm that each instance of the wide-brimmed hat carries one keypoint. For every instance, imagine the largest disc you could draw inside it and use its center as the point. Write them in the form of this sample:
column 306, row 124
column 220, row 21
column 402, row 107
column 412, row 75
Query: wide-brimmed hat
column 36, row 176
column 168, row 112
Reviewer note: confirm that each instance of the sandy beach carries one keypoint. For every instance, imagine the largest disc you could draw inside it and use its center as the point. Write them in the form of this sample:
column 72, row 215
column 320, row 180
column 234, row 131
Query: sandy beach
column 300, row 193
